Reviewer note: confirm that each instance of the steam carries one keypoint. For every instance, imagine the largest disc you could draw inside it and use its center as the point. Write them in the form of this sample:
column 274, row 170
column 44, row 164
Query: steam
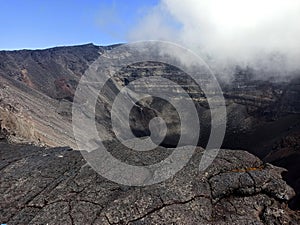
column 262, row 34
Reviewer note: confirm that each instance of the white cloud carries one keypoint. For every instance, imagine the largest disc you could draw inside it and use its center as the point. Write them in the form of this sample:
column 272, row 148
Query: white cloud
column 230, row 31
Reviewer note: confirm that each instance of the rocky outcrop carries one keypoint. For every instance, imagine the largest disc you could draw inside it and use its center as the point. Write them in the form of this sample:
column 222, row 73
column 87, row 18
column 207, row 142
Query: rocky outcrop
column 56, row 186
column 286, row 153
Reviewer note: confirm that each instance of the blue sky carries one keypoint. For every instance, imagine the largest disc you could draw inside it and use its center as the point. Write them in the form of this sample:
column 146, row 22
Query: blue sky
column 32, row 24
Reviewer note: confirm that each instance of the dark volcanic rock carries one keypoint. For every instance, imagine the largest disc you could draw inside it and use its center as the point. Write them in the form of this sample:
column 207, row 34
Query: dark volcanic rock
column 51, row 186
column 42, row 67
column 56, row 186
column 286, row 153
column 30, row 78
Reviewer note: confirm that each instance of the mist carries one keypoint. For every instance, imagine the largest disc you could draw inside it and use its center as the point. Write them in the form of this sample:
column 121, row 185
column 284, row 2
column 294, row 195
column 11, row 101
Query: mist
column 262, row 34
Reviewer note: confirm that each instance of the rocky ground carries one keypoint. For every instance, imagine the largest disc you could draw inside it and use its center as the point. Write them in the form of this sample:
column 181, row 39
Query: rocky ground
column 56, row 186
column 44, row 185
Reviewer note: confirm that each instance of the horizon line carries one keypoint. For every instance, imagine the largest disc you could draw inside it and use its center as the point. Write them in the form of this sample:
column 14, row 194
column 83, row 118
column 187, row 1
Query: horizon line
column 60, row 46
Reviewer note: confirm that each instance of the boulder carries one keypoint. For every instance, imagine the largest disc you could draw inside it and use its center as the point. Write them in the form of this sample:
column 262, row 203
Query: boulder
column 57, row 186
